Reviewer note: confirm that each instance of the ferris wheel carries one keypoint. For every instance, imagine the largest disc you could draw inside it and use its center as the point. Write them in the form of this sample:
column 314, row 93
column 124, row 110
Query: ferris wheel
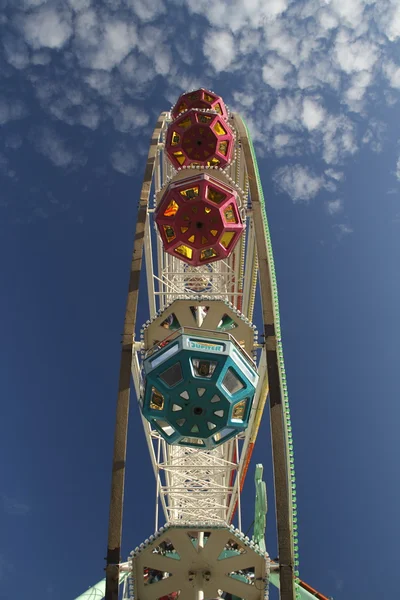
column 202, row 375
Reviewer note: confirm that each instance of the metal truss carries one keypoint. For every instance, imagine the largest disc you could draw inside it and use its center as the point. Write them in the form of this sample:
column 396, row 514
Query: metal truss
column 191, row 484
column 197, row 484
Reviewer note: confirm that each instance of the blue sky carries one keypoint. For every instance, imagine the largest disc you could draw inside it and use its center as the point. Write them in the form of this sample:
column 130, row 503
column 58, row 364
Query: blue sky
column 82, row 84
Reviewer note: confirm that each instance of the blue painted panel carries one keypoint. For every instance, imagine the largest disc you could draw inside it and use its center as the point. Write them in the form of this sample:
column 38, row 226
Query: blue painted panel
column 192, row 388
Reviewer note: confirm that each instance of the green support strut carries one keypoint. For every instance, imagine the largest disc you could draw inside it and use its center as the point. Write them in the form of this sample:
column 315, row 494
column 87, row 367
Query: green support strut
column 261, row 507
column 98, row 591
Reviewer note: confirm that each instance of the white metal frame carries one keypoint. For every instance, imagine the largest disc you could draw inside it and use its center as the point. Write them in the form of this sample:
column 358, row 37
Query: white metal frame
column 195, row 484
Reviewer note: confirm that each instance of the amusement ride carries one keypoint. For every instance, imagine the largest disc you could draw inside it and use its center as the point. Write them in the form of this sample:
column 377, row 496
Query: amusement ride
column 202, row 373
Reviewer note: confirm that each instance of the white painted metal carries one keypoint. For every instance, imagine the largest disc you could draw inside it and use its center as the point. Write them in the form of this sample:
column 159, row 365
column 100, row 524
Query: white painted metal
column 197, row 565
column 194, row 484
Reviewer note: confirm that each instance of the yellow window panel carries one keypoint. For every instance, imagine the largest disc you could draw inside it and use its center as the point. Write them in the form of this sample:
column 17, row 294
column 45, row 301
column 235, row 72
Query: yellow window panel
column 229, row 214
column 219, row 129
column 169, row 233
column 218, row 108
column 239, row 410
column 214, row 195
column 204, row 118
column 223, row 148
column 208, row 98
column 190, row 192
column 156, row 400
column 176, row 138
column 185, row 123
column 207, row 254
column 227, row 238
column 171, row 209
column 180, row 157
column 184, row 251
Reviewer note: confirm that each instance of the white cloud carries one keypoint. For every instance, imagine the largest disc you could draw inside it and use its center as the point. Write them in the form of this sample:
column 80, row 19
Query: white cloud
column 149, row 10
column 122, row 159
column 334, row 206
column 129, row 118
column 79, row 5
column 354, row 55
column 375, row 135
column 245, row 99
column 11, row 110
column 339, row 139
column 298, row 182
column 46, row 27
column 219, row 45
column 287, row 111
column 354, row 95
column 16, row 51
column 392, row 73
column 102, row 43
column 41, row 58
column 275, row 71
column 237, row 14
column 349, row 13
column 327, row 20
column 337, row 175
column 343, row 229
column 397, row 173
column 48, row 142
column 388, row 15
column 312, row 113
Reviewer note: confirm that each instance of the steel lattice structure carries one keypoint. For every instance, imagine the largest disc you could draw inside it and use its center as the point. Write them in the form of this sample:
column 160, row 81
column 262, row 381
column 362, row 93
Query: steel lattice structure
column 200, row 488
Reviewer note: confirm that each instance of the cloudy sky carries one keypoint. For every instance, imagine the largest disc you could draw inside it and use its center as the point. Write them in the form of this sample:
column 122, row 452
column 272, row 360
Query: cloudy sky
column 82, row 84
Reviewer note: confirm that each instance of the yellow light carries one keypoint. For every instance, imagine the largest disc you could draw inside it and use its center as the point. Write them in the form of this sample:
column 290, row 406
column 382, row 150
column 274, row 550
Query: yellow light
column 180, row 157
column 207, row 253
column 214, row 232
column 157, row 400
column 184, row 251
column 227, row 238
column 176, row 138
column 239, row 410
column 207, row 209
column 214, row 162
column 185, row 123
column 214, row 195
column 223, row 147
column 184, row 229
column 219, row 129
column 204, row 118
column 191, row 239
column 169, row 233
column 204, row 240
column 171, row 209
column 229, row 214
column 191, row 192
